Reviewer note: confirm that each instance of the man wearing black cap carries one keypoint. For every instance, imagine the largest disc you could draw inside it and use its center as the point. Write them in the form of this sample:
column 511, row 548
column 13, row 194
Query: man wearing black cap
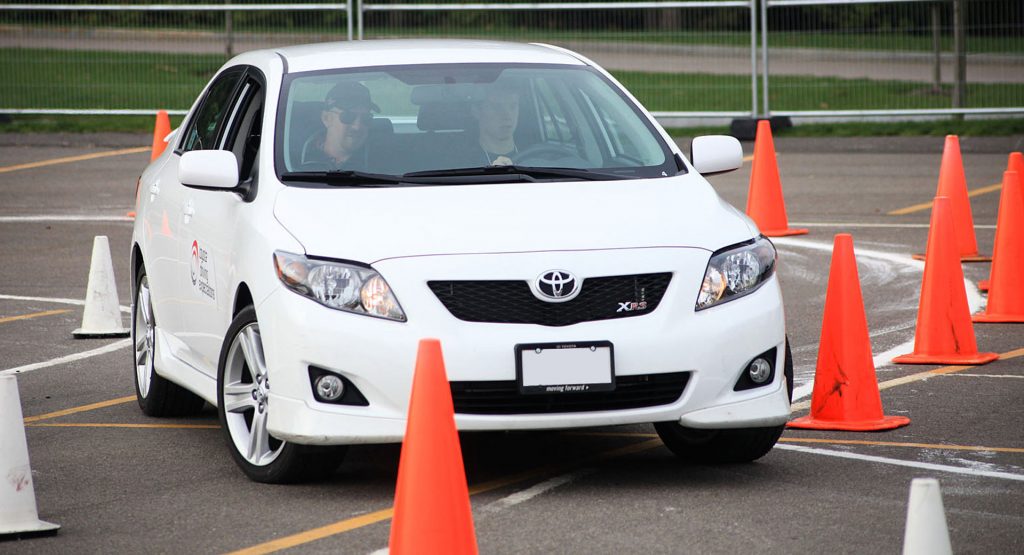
column 348, row 111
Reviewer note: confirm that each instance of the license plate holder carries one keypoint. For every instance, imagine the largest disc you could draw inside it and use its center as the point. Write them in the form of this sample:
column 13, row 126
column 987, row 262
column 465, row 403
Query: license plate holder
column 567, row 367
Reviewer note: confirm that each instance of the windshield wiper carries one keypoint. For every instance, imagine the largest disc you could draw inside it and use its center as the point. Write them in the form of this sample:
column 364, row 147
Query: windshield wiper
column 351, row 178
column 529, row 172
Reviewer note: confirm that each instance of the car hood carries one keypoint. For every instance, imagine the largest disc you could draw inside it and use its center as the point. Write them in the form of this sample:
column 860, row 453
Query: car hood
column 372, row 224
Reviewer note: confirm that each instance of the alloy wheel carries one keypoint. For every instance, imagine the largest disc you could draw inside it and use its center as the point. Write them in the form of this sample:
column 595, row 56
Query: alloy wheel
column 245, row 398
column 144, row 342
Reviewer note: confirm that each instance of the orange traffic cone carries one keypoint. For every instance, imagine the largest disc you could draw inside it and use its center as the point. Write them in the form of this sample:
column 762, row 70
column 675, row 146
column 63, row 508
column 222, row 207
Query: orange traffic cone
column 432, row 511
column 845, row 393
column 1006, row 296
column 944, row 332
column 160, row 132
column 1015, row 164
column 764, row 199
column 953, row 184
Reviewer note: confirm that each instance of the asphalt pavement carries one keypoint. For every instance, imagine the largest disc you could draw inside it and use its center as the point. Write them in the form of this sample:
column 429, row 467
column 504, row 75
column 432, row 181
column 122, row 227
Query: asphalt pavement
column 120, row 482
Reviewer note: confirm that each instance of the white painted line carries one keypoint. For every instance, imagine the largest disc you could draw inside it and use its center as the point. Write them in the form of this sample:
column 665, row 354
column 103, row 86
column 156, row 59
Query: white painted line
column 903, row 259
column 519, row 497
column 900, row 462
column 885, row 359
column 880, row 360
column 803, row 390
column 76, row 302
column 974, row 299
column 117, row 345
column 869, row 225
column 529, row 493
column 59, row 218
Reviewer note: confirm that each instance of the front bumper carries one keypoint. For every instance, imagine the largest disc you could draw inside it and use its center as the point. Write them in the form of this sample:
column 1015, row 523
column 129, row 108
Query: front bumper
column 378, row 356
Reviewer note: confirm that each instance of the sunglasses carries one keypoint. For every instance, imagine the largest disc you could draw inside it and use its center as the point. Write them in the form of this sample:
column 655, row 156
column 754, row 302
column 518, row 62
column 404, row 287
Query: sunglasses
column 348, row 118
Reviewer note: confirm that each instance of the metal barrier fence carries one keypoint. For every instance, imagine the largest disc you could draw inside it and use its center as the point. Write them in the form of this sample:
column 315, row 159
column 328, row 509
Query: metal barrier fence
column 128, row 59
column 682, row 59
column 891, row 57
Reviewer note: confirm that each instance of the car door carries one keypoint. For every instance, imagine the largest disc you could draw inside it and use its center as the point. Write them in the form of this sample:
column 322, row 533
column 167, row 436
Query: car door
column 210, row 230
column 202, row 131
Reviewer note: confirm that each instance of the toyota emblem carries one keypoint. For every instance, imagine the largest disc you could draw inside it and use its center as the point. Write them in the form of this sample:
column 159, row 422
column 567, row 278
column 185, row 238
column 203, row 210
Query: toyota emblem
column 555, row 286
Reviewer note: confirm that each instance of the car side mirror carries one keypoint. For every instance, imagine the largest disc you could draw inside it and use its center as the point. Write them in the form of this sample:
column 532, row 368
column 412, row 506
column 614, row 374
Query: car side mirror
column 712, row 154
column 208, row 169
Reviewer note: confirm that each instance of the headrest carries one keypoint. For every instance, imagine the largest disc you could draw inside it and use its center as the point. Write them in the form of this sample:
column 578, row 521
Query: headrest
column 445, row 116
column 381, row 126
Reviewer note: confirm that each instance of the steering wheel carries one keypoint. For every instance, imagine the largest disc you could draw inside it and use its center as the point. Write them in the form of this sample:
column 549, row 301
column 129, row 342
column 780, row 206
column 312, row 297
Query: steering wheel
column 545, row 154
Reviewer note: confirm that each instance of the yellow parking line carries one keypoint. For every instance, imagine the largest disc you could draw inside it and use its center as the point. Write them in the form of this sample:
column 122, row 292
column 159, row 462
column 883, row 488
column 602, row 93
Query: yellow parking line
column 748, row 158
column 385, row 514
column 928, row 205
column 919, row 376
column 69, row 159
column 32, row 315
column 83, row 408
column 121, row 425
column 902, row 444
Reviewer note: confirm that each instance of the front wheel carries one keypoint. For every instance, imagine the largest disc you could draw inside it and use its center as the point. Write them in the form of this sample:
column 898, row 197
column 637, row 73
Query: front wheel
column 737, row 445
column 243, row 405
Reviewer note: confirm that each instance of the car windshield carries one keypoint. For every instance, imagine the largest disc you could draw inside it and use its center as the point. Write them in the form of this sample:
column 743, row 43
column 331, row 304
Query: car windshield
column 462, row 123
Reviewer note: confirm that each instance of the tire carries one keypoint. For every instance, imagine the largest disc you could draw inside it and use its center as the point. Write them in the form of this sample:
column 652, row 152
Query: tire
column 157, row 396
column 243, row 407
column 738, row 445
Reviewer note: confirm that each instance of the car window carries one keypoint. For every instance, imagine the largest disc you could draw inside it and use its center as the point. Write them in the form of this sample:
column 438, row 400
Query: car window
column 208, row 121
column 430, row 118
column 244, row 127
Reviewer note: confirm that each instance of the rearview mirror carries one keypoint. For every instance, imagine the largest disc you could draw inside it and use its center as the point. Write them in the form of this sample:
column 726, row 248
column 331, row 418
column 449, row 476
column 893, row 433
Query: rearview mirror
column 715, row 154
column 208, row 169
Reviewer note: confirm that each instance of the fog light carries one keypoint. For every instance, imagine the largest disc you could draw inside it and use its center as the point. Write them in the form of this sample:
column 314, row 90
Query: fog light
column 329, row 388
column 760, row 370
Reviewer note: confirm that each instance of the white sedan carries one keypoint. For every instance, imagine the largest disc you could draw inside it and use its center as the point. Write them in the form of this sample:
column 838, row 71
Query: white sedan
column 322, row 208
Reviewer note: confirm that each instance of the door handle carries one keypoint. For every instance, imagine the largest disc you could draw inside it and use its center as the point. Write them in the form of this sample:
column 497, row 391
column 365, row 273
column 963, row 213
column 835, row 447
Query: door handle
column 188, row 210
column 154, row 190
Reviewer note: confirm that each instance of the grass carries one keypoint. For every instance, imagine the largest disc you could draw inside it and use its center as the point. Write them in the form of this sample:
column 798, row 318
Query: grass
column 937, row 128
column 86, row 79
column 703, row 92
column 882, row 41
column 36, row 78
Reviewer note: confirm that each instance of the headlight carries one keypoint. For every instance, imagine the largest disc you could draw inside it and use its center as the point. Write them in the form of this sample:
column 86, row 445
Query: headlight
column 347, row 287
column 736, row 271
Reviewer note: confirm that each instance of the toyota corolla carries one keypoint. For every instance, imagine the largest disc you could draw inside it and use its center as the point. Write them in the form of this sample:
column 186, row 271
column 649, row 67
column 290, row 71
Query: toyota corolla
column 322, row 208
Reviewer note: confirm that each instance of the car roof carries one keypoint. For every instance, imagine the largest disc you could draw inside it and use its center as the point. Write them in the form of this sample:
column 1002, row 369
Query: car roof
column 331, row 55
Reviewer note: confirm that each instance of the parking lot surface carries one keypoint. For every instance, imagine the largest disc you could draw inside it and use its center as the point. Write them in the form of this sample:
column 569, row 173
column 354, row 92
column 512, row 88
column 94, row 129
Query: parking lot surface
column 120, row 482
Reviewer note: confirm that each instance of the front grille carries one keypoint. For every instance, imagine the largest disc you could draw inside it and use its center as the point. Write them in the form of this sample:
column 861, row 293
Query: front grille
column 512, row 302
column 631, row 392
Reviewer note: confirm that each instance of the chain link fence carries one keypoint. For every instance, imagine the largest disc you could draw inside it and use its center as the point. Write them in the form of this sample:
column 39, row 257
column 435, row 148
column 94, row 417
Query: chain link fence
column 684, row 59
